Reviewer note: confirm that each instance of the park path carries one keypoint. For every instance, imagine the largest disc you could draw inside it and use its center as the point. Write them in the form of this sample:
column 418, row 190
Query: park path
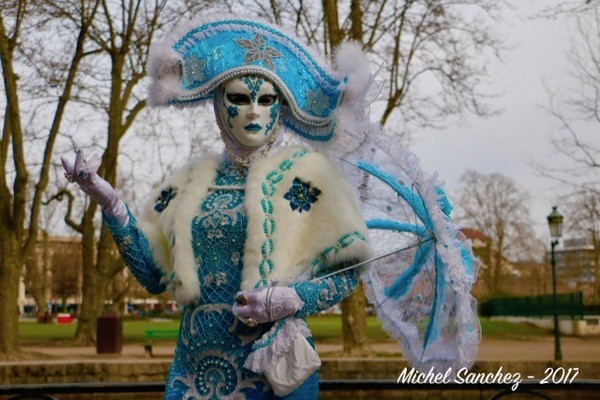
column 539, row 349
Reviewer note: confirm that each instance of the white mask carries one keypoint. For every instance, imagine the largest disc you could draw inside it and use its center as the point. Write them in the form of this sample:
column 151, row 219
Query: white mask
column 249, row 110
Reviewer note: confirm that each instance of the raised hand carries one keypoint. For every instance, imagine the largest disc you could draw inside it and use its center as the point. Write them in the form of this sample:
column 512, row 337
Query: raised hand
column 84, row 173
column 266, row 304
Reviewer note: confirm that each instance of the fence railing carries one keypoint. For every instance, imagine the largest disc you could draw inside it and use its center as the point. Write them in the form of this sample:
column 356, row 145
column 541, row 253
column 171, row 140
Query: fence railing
column 568, row 304
column 532, row 387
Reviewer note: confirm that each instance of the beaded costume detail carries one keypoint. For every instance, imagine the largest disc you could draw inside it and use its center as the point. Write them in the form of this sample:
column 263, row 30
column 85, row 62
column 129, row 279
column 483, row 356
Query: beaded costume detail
column 213, row 344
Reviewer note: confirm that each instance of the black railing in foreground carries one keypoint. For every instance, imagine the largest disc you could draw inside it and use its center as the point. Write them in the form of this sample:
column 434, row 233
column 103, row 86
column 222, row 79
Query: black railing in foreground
column 530, row 386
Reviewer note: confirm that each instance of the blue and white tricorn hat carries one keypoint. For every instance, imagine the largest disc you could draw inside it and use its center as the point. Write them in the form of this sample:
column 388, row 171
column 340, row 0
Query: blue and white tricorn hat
column 186, row 67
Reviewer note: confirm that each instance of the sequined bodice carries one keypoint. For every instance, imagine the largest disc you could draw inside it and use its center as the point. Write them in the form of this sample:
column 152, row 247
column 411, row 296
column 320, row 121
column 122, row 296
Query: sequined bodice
column 213, row 343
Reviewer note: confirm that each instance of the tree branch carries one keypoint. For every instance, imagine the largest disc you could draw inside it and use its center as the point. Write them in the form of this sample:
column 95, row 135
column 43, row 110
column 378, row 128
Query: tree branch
column 70, row 200
column 86, row 22
column 133, row 114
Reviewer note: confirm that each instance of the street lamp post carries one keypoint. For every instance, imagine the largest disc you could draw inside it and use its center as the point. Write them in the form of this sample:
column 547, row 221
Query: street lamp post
column 555, row 221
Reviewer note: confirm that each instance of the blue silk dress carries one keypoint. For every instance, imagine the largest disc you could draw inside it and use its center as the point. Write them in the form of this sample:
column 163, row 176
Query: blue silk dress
column 213, row 344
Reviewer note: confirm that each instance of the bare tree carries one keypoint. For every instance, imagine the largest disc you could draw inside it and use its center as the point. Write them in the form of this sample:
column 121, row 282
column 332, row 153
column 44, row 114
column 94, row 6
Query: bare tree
column 576, row 107
column 583, row 210
column 19, row 212
column 122, row 33
column 494, row 205
column 433, row 53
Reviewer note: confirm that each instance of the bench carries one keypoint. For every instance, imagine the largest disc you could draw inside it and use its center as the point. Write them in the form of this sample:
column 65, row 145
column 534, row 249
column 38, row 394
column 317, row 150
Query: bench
column 161, row 334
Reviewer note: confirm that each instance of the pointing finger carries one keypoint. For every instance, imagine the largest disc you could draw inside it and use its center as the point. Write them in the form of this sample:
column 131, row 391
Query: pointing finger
column 79, row 161
column 68, row 167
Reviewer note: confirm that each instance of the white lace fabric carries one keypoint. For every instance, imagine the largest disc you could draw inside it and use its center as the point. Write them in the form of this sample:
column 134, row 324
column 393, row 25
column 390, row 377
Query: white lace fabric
column 275, row 343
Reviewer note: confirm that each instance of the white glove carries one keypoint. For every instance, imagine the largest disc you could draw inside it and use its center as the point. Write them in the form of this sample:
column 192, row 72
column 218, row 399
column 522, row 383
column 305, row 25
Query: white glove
column 84, row 174
column 266, row 304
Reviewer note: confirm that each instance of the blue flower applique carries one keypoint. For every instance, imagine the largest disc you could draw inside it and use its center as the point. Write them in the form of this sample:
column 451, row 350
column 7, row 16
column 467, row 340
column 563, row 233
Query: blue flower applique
column 165, row 197
column 193, row 71
column 301, row 195
column 317, row 102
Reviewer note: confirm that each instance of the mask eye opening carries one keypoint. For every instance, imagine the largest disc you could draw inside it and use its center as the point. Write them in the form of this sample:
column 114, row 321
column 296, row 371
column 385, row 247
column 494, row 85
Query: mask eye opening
column 239, row 99
column 267, row 99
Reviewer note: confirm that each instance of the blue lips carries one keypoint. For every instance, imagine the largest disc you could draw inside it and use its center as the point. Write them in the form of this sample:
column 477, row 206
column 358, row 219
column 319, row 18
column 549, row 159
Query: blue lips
column 253, row 127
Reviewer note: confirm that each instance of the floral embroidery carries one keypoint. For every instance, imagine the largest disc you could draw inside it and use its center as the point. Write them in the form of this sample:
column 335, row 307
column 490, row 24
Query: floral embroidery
column 193, row 70
column 218, row 279
column 219, row 211
column 320, row 295
column 232, row 111
column 316, row 101
column 301, row 195
column 257, row 50
column 268, row 189
column 274, row 113
column 165, row 197
column 217, row 375
column 344, row 241
column 253, row 84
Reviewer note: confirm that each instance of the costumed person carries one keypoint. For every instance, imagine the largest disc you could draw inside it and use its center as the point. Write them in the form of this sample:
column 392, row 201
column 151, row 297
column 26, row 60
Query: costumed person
column 238, row 239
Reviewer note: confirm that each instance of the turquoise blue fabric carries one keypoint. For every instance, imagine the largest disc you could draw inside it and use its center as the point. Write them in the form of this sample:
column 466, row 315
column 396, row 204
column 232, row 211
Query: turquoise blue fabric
column 135, row 252
column 222, row 47
column 321, row 295
column 213, row 344
column 212, row 52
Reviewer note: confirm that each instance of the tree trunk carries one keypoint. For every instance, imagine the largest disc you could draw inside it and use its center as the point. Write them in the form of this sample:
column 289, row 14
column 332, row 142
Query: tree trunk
column 333, row 35
column 45, row 281
column 356, row 16
column 98, row 259
column 90, row 307
column 496, row 272
column 10, row 273
column 354, row 325
column 17, row 206
column 354, row 317
column 37, row 279
column 98, row 272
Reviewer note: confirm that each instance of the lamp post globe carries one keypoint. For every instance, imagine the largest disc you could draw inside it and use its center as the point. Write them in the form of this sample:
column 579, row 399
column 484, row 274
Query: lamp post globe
column 555, row 223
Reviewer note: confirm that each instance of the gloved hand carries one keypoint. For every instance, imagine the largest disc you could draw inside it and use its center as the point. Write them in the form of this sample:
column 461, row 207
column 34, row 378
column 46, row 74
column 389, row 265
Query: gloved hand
column 266, row 304
column 84, row 174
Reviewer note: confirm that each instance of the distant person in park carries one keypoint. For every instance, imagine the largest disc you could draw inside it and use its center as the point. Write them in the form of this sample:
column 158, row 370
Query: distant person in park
column 239, row 238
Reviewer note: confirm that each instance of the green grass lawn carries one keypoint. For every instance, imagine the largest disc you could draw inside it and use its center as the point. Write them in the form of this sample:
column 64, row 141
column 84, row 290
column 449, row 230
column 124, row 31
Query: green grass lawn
column 329, row 328
column 509, row 330
column 325, row 328
column 132, row 330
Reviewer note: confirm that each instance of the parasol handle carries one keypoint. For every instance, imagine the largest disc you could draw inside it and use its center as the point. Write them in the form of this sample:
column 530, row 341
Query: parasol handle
column 379, row 257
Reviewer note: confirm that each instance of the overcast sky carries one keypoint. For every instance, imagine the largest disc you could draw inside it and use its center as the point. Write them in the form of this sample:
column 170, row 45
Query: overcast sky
column 522, row 134
column 508, row 143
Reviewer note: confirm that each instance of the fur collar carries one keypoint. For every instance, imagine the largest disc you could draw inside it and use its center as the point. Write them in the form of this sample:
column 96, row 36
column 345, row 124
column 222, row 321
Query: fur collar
column 281, row 243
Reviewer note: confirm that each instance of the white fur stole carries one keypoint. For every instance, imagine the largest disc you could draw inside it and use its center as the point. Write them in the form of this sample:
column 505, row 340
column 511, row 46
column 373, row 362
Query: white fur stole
column 294, row 240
